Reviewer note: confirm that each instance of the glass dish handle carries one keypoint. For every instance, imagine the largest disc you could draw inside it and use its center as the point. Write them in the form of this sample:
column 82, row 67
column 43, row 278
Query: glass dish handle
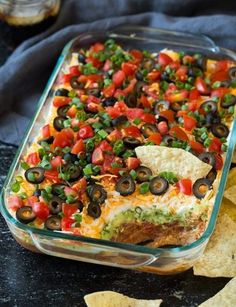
column 90, row 252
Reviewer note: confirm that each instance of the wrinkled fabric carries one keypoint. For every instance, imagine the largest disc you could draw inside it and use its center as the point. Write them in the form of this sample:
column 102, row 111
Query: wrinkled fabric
column 25, row 73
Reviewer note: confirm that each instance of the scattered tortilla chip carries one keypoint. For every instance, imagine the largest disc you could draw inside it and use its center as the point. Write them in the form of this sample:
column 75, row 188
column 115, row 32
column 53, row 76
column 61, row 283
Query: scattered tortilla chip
column 225, row 298
column 219, row 258
column 227, row 207
column 230, row 194
column 234, row 156
column 176, row 160
column 114, row 299
column 231, row 180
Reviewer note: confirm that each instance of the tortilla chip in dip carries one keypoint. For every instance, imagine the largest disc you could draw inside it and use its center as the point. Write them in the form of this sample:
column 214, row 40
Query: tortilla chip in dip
column 219, row 258
column 225, row 298
column 176, row 160
column 114, row 299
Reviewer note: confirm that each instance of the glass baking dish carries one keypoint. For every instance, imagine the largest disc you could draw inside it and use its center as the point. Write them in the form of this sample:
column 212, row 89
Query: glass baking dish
column 156, row 260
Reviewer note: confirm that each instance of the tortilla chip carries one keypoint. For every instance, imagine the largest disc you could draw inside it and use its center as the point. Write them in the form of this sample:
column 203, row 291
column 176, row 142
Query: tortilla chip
column 230, row 194
column 231, row 180
column 176, row 160
column 234, row 156
column 219, row 258
column 225, row 298
column 114, row 299
column 227, row 207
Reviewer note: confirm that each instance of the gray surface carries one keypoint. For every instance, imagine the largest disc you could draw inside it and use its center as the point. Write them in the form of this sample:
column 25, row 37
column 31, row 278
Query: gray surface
column 24, row 75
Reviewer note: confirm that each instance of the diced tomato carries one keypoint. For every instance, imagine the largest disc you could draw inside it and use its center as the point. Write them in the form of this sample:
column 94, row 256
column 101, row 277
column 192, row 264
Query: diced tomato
column 154, row 75
column 56, row 162
column 113, row 112
column 97, row 156
column 130, row 87
column 80, row 186
column 189, row 122
column 155, row 138
column 119, row 93
column 178, row 133
column 193, row 105
column 91, row 78
column 221, row 75
column 69, row 209
column 132, row 163
column 196, row 146
column 176, row 96
column 15, row 202
column 185, row 186
column 181, row 113
column 66, row 223
column 105, row 146
column 215, row 145
column 168, row 114
column 96, row 62
column 163, row 127
column 201, row 86
column 63, row 138
column 118, row 78
column 137, row 55
column 109, row 90
column 60, row 101
column 194, row 94
column 120, row 105
column 219, row 162
column 114, row 136
column 107, row 166
column 32, row 199
column 181, row 73
column 41, row 210
column 94, row 99
column 70, row 192
column 74, row 70
column 219, row 92
column 188, row 59
column 133, row 113
column 148, row 118
column 221, row 65
column 128, row 68
column 65, row 78
column 46, row 131
column 72, row 111
column 107, row 65
column 145, row 102
column 33, row 159
column 164, row 59
column 97, row 47
column 51, row 175
column 131, row 131
column 86, row 132
column 174, row 65
column 93, row 107
column 78, row 147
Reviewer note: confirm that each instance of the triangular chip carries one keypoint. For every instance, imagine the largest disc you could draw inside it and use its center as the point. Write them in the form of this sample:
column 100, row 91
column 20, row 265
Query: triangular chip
column 219, row 258
column 225, row 298
column 230, row 194
column 114, row 299
column 234, row 156
column 164, row 159
column 231, row 179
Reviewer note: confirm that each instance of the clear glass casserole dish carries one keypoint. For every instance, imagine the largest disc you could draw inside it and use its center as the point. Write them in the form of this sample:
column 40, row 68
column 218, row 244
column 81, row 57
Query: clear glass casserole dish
column 156, row 260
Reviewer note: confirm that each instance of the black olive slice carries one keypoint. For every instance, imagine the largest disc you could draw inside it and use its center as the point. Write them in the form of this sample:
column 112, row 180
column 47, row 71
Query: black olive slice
column 228, row 102
column 138, row 89
column 201, row 187
column 161, row 105
column 62, row 92
column 125, row 185
column 53, row 223
column 131, row 100
column 94, row 210
column 69, row 157
column 162, row 119
column 58, row 189
column 35, row 175
column 82, row 58
column 139, row 76
column 168, row 139
column 143, row 174
column 58, row 123
column 94, row 92
column 55, row 205
column 75, row 84
column 62, row 111
column 120, row 120
column 201, row 62
column 25, row 214
column 37, row 192
column 209, row 106
column 148, row 129
column 97, row 194
column 74, row 171
column 232, row 73
column 225, row 83
column 165, row 77
column 109, row 129
column 220, row 130
column 158, row 185
column 48, row 140
column 109, row 102
column 208, row 158
column 212, row 175
column 148, row 64
column 193, row 72
column 212, row 118
column 131, row 142
column 176, row 106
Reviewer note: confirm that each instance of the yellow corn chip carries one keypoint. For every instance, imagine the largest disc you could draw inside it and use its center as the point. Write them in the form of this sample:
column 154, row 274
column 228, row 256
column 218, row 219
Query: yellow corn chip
column 234, row 156
column 227, row 207
column 225, row 298
column 230, row 194
column 114, row 299
column 176, row 160
column 219, row 258
column 231, row 180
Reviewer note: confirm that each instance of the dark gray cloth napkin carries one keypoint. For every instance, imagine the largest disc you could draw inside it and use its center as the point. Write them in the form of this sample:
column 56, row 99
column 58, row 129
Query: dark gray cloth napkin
column 24, row 75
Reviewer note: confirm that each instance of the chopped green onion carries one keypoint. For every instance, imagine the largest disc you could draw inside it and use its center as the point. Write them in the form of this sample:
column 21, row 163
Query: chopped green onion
column 231, row 109
column 137, row 121
column 19, row 179
column 116, row 165
column 169, row 176
column 103, row 133
column 24, row 165
column 23, row 195
column 88, row 170
column 118, row 147
column 216, row 84
column 144, row 187
column 128, row 153
column 224, row 147
column 15, row 187
column 78, row 219
column 133, row 174
column 207, row 142
column 89, row 145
